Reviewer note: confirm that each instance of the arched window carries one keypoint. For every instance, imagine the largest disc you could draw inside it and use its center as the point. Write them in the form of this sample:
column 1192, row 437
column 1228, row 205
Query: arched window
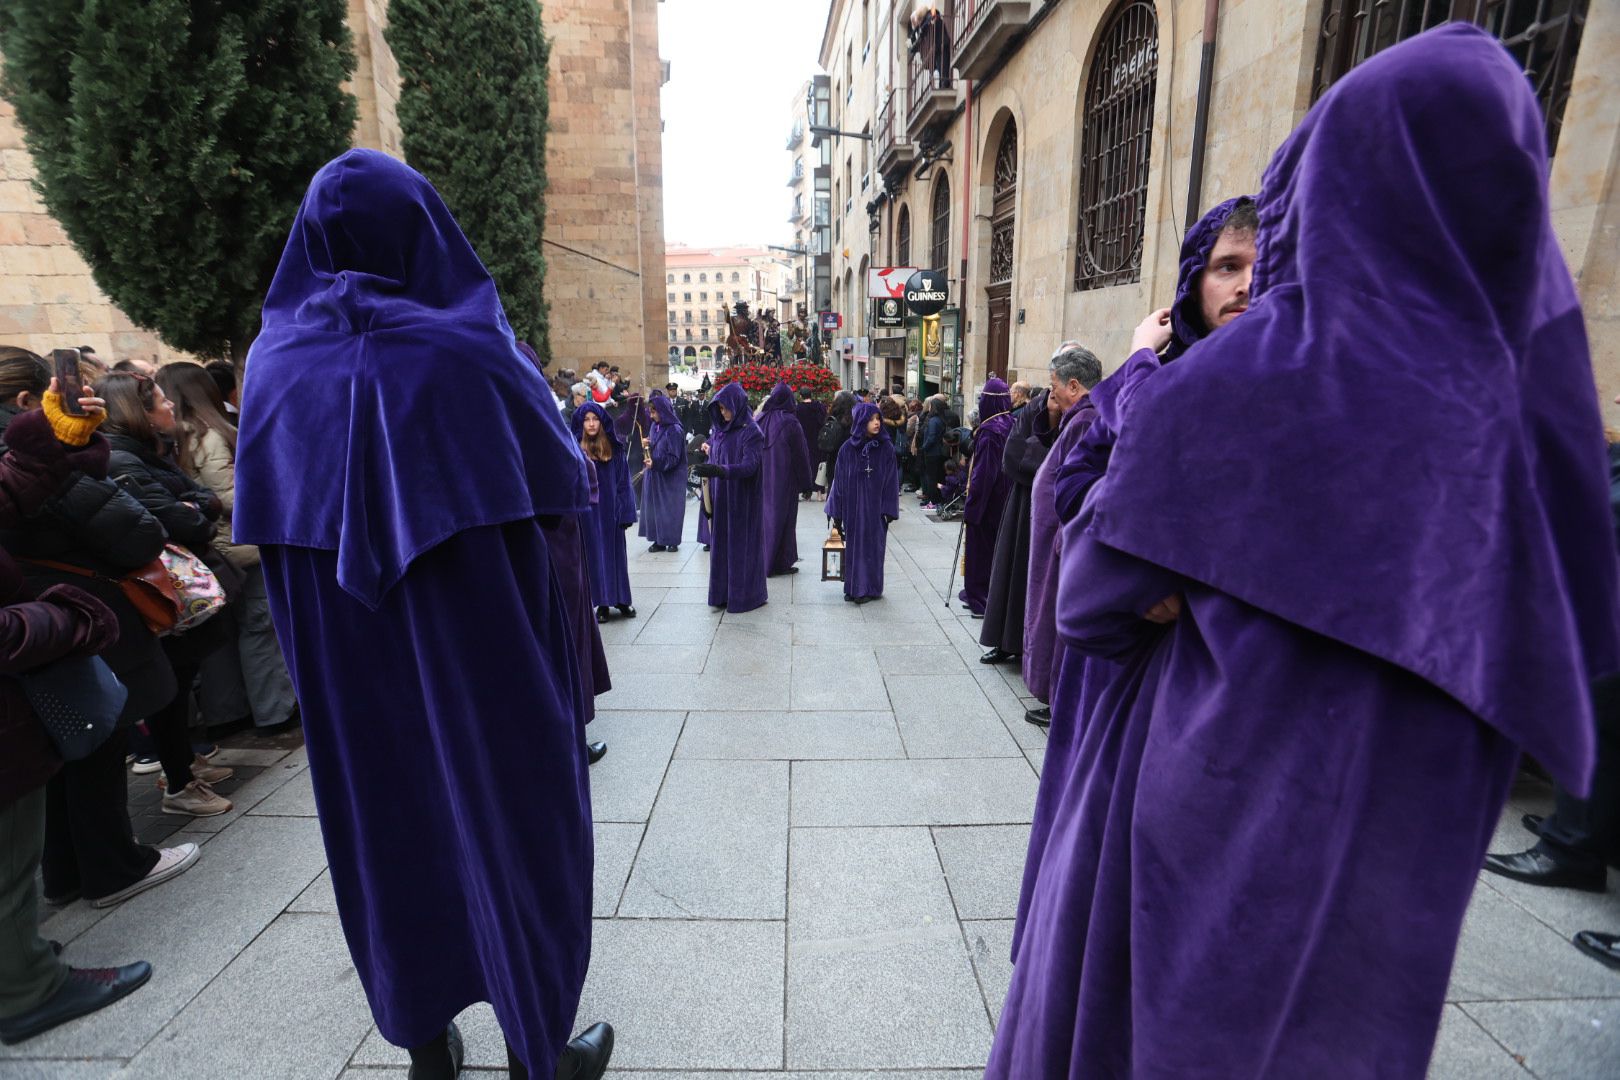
column 902, row 238
column 703, row 279
column 734, row 278
column 672, row 279
column 690, row 351
column 686, row 279
column 706, row 353
column 1115, row 147
column 939, row 254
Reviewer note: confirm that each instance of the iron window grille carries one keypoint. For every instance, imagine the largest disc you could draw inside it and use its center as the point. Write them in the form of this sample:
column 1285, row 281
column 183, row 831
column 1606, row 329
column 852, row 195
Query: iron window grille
column 1544, row 36
column 1004, row 207
column 940, row 254
column 1116, row 148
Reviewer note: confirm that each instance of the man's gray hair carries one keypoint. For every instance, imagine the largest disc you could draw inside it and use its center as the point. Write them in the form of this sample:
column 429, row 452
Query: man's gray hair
column 1074, row 361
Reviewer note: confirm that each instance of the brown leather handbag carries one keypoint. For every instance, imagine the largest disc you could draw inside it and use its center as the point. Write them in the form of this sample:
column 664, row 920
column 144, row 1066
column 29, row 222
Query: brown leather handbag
column 149, row 589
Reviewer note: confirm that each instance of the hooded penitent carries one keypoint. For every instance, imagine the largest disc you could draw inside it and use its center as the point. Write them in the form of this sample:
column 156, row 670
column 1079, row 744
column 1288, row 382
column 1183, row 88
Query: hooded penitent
column 812, row 415
column 612, row 513
column 987, row 489
column 391, row 465
column 1186, row 313
column 1031, row 436
column 737, row 562
column 663, row 486
column 1276, row 816
column 864, row 499
column 784, row 477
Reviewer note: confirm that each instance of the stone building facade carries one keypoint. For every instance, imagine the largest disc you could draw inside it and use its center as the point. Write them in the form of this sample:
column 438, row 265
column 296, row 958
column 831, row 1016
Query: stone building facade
column 979, row 160
column 703, row 284
column 604, row 214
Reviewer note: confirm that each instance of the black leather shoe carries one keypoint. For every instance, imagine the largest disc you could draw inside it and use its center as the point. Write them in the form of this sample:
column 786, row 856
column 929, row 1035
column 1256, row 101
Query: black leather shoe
column 654, row 548
column 1536, row 867
column 86, row 990
column 627, row 611
column 595, row 752
column 1041, row 717
column 454, row 1046
column 1604, row 948
column 603, row 614
column 586, row 1058
column 1533, row 823
column 997, row 656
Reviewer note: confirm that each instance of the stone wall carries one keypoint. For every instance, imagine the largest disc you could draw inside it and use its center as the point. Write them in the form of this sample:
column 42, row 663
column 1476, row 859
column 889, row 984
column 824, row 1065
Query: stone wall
column 375, row 85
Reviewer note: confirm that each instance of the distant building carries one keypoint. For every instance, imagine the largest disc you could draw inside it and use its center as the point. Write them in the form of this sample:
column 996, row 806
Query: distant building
column 702, row 285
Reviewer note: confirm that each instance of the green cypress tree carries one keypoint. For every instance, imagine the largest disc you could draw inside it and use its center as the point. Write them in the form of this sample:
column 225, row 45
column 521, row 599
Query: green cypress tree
column 473, row 113
column 174, row 140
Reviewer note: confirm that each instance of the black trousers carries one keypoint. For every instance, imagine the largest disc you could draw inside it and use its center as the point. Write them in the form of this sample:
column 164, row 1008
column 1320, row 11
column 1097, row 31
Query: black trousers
column 1587, row 831
column 170, row 730
column 89, row 844
column 933, row 475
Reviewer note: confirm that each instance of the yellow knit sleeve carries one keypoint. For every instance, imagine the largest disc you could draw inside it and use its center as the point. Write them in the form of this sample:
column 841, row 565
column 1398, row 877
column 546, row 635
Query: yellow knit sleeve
column 71, row 430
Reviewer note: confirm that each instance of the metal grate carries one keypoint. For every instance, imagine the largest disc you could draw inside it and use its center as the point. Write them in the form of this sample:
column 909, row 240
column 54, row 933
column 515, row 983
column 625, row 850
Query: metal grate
column 1004, row 207
column 902, row 241
column 1115, row 148
column 941, row 253
column 1544, row 36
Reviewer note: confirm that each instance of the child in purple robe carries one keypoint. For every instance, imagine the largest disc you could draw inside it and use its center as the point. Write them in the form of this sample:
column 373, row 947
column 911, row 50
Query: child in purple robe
column 864, row 502
column 784, row 479
column 736, row 450
column 1234, row 885
column 987, row 490
column 663, row 484
column 613, row 512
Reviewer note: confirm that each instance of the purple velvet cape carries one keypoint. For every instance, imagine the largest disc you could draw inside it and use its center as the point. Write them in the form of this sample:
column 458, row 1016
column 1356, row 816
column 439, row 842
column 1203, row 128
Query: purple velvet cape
column 865, row 497
column 987, row 488
column 613, row 511
column 1368, row 639
column 784, row 477
column 663, row 486
column 737, row 561
column 1040, row 615
column 1028, row 443
column 415, row 598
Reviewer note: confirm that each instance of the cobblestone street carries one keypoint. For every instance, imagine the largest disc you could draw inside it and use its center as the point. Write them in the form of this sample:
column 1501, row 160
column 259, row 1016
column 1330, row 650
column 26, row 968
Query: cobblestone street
column 811, row 824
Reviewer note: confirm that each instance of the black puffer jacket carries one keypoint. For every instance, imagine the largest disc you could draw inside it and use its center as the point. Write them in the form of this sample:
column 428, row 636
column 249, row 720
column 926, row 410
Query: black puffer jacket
column 188, row 512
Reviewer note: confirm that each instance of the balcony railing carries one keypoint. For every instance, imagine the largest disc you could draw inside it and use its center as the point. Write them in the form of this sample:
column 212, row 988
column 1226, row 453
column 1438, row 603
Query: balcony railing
column 797, row 174
column 983, row 29
column 795, row 136
column 932, row 94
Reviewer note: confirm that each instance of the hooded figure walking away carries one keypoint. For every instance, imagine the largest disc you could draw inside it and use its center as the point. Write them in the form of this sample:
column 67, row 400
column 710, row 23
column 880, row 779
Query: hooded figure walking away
column 812, row 414
column 987, row 493
column 865, row 501
column 785, row 479
column 415, row 598
column 663, row 485
column 736, row 452
column 1275, row 820
column 612, row 512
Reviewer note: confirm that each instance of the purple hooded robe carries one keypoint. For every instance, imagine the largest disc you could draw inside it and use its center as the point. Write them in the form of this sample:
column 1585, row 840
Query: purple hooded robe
column 1040, row 616
column 1234, row 885
column 785, row 475
column 987, row 489
column 812, row 414
column 865, row 499
column 416, row 597
column 613, row 512
column 737, row 563
column 1028, row 442
column 663, row 487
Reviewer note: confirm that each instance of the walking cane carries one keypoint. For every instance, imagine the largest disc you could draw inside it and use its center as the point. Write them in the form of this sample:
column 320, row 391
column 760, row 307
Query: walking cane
column 949, row 585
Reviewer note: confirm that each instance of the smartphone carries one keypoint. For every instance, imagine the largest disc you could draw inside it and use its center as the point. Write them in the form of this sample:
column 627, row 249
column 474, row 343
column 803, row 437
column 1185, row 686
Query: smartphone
column 68, row 381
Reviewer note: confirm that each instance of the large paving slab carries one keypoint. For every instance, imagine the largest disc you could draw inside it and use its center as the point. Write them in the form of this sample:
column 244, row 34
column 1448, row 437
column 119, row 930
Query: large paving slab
column 786, row 736
column 959, row 791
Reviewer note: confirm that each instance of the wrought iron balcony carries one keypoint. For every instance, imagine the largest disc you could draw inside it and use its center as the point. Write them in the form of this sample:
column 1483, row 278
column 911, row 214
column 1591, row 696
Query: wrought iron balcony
column 932, row 90
column 895, row 151
column 796, row 135
column 983, row 29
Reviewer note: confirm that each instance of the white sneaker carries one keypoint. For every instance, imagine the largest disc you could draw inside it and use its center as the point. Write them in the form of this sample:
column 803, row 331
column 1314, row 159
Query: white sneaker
column 197, row 799
column 171, row 863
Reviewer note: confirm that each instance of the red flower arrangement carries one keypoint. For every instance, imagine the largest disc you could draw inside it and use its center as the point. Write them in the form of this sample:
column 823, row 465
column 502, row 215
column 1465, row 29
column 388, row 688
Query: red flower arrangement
column 760, row 379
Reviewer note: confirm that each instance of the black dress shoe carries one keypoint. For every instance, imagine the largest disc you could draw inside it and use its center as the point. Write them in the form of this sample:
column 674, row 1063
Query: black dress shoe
column 603, row 614
column 627, row 611
column 1536, row 867
column 1533, row 822
column 1041, row 717
column 655, row 547
column 997, row 656
column 586, row 1058
column 86, row 990
column 1605, row 948
column 595, row 752
column 454, row 1047
column 863, row 600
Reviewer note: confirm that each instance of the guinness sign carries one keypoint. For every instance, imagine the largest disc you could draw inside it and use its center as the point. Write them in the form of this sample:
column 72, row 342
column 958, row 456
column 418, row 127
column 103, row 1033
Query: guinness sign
column 927, row 293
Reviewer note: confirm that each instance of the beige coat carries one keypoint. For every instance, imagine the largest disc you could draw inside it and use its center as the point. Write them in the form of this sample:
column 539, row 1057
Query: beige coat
column 214, row 466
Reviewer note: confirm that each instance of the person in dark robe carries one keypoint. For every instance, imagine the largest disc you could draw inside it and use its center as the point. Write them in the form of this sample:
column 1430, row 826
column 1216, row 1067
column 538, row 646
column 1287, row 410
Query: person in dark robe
column 610, row 515
column 416, row 598
column 987, row 491
column 785, row 477
column 812, row 415
column 1234, row 884
column 663, row 485
column 864, row 502
column 736, row 452
column 1034, row 431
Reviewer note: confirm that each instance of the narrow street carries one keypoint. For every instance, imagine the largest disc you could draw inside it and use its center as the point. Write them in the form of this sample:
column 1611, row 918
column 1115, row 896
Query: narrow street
column 810, row 832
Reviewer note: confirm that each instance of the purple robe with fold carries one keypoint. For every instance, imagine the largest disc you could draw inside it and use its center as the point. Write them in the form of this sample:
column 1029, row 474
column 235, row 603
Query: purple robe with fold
column 865, row 498
column 737, row 562
column 564, row 534
column 1275, row 816
column 417, row 598
column 987, row 488
column 613, row 511
column 663, row 486
column 1040, row 616
column 785, row 475
column 1027, row 445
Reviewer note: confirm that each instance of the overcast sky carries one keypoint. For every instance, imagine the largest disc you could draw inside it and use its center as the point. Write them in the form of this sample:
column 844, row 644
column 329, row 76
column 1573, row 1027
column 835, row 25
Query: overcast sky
column 735, row 66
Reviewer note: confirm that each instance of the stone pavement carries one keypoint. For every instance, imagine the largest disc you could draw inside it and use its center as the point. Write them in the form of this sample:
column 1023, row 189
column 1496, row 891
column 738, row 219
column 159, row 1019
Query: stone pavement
column 810, row 830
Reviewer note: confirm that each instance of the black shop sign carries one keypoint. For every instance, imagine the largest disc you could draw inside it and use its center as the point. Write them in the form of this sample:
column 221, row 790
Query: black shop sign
column 927, row 293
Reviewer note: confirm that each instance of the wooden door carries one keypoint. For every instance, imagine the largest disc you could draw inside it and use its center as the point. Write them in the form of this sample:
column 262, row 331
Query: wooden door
column 1000, row 331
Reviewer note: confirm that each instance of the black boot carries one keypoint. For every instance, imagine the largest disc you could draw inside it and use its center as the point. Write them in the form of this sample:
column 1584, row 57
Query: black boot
column 586, row 1058
column 86, row 990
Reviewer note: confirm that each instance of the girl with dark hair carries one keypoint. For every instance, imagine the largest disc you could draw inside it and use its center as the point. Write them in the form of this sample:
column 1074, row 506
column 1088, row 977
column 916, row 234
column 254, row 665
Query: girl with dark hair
column 250, row 678
column 663, row 487
column 611, row 514
column 140, row 421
